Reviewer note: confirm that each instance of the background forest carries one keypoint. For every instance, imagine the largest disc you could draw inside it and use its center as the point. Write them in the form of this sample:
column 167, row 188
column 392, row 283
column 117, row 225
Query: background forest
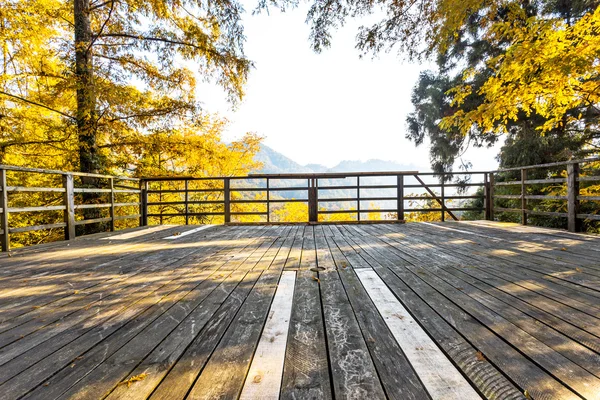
column 111, row 86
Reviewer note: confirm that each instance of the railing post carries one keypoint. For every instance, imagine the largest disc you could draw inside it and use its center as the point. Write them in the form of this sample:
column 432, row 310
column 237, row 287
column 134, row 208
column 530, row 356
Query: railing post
column 358, row 198
column 491, row 180
column 443, row 197
column 486, row 196
column 523, row 199
column 227, row 200
column 112, row 205
column 400, row 197
column 268, row 202
column 313, row 214
column 4, row 205
column 572, row 197
column 187, row 212
column 69, row 203
column 143, row 203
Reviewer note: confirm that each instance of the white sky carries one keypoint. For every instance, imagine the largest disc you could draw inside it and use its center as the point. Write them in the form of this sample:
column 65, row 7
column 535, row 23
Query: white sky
column 328, row 107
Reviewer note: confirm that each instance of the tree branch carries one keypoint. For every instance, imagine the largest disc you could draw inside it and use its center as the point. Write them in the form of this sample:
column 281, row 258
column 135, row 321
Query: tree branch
column 112, row 7
column 156, row 39
column 37, row 104
column 3, row 146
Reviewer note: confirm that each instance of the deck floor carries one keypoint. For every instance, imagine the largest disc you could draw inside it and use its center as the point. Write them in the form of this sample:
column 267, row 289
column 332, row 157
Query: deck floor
column 402, row 311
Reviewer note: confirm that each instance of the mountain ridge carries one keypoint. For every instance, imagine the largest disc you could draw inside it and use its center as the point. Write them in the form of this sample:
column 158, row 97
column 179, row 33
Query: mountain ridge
column 275, row 162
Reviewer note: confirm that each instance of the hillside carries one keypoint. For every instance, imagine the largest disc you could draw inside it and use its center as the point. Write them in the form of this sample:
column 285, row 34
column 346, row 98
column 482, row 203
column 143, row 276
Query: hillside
column 277, row 163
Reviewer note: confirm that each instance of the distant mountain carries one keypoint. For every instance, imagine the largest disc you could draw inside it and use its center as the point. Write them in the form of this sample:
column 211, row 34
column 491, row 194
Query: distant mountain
column 276, row 163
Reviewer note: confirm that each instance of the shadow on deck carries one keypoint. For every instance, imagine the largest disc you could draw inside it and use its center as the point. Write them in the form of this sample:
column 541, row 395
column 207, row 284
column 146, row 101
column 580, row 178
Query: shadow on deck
column 405, row 311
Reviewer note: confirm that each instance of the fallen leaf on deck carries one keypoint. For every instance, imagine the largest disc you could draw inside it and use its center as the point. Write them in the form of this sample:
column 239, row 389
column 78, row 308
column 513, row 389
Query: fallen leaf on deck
column 480, row 356
column 133, row 379
column 527, row 395
column 563, row 249
column 316, row 279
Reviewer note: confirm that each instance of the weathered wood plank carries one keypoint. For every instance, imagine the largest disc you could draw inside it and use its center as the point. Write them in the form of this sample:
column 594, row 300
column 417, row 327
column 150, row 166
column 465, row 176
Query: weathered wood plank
column 521, row 370
column 439, row 376
column 397, row 375
column 305, row 370
column 151, row 326
column 264, row 377
column 224, row 374
column 568, row 372
column 353, row 373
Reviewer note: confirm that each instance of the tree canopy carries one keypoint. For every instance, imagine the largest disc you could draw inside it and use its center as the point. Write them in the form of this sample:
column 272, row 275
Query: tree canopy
column 85, row 84
column 504, row 67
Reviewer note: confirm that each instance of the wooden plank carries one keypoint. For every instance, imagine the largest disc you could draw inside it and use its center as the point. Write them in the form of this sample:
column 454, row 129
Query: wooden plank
column 395, row 372
column 573, row 375
column 127, row 328
column 197, row 335
column 224, row 374
column 575, row 296
column 489, row 380
column 184, row 373
column 511, row 362
column 440, row 377
column 101, row 372
column 305, row 370
column 189, row 232
column 352, row 369
column 264, row 377
column 541, row 324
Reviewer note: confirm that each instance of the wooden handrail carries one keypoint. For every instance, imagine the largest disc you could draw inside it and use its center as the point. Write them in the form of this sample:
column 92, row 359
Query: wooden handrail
column 227, row 197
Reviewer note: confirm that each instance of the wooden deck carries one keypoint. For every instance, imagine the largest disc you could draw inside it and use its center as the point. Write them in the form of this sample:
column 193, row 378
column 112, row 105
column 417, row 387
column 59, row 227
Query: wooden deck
column 413, row 311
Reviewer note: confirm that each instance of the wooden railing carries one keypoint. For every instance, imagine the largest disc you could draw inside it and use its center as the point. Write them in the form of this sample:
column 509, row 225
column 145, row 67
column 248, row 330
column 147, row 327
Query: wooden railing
column 65, row 199
column 353, row 195
column 71, row 200
column 562, row 178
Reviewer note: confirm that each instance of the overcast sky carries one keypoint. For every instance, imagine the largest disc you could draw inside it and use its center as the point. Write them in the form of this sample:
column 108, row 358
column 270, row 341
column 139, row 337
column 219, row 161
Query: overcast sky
column 328, row 107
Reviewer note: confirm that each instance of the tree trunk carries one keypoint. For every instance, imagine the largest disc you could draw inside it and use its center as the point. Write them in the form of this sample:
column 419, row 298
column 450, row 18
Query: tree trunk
column 87, row 123
column 86, row 99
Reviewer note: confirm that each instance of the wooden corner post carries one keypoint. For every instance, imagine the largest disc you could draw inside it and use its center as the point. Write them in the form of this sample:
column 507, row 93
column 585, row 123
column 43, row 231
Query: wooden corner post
column 572, row 197
column 400, row 197
column 143, row 203
column 227, row 200
column 187, row 199
column 443, row 196
column 313, row 201
column 491, row 180
column 523, row 196
column 112, row 205
column 4, row 206
column 69, row 203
